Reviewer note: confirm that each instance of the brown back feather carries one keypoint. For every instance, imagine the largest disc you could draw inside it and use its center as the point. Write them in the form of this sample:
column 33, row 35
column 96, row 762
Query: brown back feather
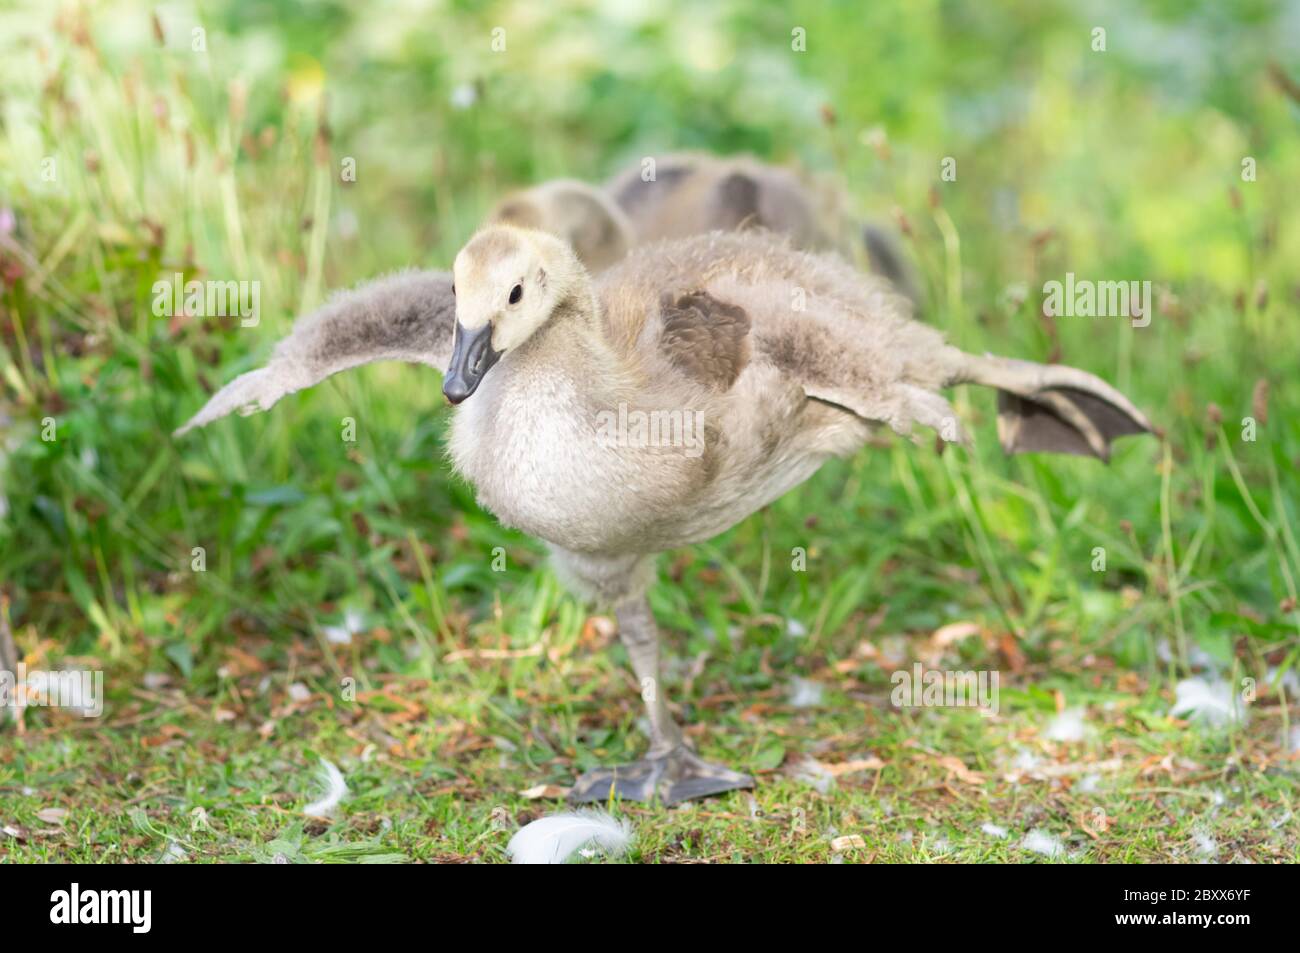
column 706, row 339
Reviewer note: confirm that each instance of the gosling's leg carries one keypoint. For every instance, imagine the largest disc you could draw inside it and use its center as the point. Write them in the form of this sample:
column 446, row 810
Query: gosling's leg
column 669, row 769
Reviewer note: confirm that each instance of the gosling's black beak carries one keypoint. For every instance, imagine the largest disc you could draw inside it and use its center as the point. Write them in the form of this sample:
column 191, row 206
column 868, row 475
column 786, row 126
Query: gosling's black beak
column 471, row 357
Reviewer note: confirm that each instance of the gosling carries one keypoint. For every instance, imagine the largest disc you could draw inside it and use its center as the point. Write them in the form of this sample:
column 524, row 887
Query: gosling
column 694, row 193
column 543, row 362
column 701, row 328
column 583, row 215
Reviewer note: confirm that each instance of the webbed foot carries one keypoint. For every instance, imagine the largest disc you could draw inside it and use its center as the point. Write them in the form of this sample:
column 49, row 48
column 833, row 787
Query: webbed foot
column 679, row 775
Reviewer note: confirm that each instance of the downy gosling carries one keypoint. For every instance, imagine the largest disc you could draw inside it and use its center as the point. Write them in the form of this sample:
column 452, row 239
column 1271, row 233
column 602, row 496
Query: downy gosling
column 539, row 357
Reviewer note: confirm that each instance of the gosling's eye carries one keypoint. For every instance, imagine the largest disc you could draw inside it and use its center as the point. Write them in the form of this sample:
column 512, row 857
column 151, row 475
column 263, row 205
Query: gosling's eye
column 516, row 293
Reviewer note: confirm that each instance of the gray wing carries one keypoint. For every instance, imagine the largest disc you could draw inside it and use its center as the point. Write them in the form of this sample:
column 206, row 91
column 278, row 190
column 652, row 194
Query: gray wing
column 408, row 316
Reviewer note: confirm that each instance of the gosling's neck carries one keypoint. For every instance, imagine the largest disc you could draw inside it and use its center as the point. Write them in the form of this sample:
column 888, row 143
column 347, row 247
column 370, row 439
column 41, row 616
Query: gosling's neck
column 573, row 342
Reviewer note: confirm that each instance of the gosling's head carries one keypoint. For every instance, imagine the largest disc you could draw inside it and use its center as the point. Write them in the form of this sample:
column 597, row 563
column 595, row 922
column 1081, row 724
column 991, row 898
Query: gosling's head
column 584, row 216
column 507, row 281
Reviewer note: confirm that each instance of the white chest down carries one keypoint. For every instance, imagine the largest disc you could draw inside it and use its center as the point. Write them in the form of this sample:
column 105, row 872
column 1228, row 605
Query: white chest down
column 598, row 479
column 545, row 461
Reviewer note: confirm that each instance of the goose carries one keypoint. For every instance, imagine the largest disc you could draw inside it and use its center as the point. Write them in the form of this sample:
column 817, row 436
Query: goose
column 694, row 192
column 583, row 215
column 540, row 358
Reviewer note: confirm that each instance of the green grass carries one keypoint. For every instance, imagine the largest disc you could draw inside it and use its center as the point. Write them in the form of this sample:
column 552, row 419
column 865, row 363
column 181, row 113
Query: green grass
column 472, row 685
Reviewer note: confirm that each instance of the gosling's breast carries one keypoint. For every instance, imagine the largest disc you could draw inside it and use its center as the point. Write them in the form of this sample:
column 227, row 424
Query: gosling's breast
column 537, row 461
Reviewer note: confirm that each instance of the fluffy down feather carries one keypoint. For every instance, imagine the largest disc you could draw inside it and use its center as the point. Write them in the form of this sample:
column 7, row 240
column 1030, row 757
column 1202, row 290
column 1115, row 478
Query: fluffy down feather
column 554, row 839
column 336, row 789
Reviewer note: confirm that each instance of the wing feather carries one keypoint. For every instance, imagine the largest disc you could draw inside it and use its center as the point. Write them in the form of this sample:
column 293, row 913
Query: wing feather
column 409, row 316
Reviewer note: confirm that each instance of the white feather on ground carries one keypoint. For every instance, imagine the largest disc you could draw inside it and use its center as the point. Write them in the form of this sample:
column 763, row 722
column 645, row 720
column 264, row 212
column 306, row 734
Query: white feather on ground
column 1207, row 848
column 1041, row 842
column 994, row 830
column 1216, row 703
column 335, row 790
column 353, row 624
column 174, row 854
column 1067, row 726
column 1025, row 761
column 805, row 693
column 554, row 839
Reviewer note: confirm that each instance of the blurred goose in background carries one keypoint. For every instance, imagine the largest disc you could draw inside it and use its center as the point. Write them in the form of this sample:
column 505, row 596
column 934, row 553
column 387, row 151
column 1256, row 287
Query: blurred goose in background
column 694, row 193
column 583, row 215
column 687, row 194
column 539, row 358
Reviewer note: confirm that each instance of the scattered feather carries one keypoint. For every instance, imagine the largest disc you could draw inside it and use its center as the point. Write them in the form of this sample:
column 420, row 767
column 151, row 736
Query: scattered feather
column 812, row 772
column 554, row 839
column 1089, row 784
column 1041, row 842
column 1025, row 760
column 353, row 624
column 464, row 96
column 335, row 790
column 993, row 830
column 848, row 842
column 1207, row 848
column 1215, row 703
column 1067, row 726
column 805, row 693
column 795, row 629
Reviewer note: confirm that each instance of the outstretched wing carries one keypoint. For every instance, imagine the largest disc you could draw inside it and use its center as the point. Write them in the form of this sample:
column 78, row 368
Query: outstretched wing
column 1051, row 408
column 409, row 316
